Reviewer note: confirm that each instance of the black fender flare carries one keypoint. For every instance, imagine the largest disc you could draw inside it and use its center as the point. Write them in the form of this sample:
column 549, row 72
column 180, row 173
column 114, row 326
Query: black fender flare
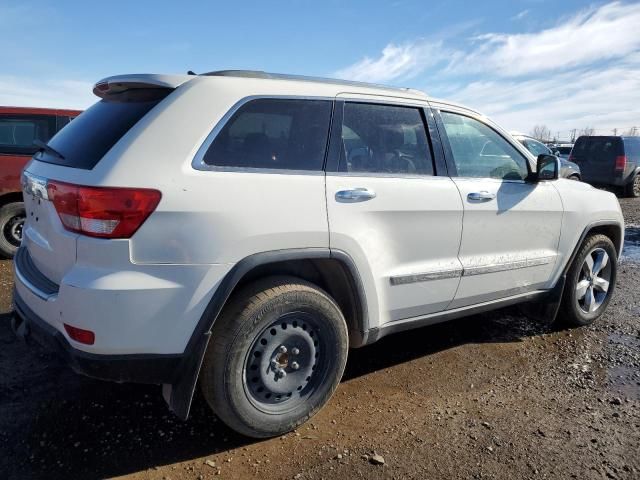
column 179, row 395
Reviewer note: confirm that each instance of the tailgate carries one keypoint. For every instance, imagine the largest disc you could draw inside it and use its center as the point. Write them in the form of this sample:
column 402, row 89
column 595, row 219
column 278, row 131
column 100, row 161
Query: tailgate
column 51, row 248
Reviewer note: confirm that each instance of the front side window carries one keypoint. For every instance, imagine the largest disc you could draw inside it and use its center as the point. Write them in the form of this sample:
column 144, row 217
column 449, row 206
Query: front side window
column 286, row 134
column 18, row 132
column 479, row 151
column 384, row 139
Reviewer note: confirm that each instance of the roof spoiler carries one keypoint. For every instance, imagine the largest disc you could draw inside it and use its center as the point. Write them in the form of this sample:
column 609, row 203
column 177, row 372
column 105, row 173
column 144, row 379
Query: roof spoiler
column 120, row 83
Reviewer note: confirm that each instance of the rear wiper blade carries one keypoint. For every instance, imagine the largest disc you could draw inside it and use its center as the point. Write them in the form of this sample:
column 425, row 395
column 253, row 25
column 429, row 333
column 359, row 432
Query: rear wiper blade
column 44, row 147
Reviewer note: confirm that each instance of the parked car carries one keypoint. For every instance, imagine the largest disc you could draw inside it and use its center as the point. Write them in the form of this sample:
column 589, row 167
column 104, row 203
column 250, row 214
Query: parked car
column 567, row 169
column 610, row 161
column 19, row 127
column 240, row 230
column 562, row 150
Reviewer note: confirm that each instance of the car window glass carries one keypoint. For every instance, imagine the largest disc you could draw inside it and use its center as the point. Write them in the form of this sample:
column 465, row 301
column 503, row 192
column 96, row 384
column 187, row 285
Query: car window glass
column 479, row 151
column 287, row 134
column 536, row 148
column 598, row 149
column 18, row 132
column 384, row 139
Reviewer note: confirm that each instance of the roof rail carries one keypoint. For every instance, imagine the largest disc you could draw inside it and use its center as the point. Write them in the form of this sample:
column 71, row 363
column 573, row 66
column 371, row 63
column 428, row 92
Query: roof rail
column 304, row 78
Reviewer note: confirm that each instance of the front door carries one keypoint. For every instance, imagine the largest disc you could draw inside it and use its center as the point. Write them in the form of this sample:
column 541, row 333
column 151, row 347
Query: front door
column 511, row 227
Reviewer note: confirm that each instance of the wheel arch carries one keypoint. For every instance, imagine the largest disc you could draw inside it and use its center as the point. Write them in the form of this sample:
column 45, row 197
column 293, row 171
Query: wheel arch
column 332, row 270
column 11, row 197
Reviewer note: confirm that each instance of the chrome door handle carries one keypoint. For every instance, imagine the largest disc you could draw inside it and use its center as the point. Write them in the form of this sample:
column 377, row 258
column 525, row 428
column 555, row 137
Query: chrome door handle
column 482, row 196
column 354, row 195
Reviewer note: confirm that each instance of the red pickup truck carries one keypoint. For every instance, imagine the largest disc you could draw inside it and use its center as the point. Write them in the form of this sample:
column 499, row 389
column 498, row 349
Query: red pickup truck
column 19, row 128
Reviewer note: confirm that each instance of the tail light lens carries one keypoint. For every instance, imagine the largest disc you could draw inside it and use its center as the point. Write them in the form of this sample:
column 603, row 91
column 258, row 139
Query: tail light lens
column 79, row 335
column 621, row 163
column 104, row 212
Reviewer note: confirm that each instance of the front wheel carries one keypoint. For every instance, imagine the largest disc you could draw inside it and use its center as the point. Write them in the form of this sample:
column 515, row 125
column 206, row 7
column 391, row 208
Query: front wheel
column 12, row 217
column 590, row 281
column 276, row 355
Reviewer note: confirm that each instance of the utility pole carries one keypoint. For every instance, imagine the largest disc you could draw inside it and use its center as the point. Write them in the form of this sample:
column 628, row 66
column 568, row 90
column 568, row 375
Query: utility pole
column 573, row 135
column 615, row 132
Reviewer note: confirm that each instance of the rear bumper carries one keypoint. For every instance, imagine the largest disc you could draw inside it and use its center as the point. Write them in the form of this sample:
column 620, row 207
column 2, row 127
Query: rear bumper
column 145, row 368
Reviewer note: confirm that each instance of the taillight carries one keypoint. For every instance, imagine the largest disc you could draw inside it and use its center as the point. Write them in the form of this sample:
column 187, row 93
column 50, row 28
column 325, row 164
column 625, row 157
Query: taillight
column 80, row 335
column 104, row 212
column 621, row 163
column 572, row 158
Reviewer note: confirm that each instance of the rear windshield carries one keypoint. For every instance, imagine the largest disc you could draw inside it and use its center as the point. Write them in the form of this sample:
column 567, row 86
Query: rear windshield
column 85, row 140
column 564, row 150
column 599, row 149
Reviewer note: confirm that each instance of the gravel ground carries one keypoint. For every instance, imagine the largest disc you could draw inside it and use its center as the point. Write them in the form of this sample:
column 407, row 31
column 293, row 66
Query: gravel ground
column 490, row 396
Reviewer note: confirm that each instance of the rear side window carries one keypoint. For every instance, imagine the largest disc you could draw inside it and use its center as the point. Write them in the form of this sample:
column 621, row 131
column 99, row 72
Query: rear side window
column 285, row 134
column 18, row 132
column 598, row 149
column 384, row 139
column 88, row 137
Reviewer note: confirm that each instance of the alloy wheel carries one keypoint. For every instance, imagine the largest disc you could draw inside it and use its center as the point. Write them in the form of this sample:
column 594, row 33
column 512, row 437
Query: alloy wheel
column 594, row 280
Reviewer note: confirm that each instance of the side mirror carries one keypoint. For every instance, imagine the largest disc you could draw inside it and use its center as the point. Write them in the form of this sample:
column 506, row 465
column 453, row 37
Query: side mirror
column 547, row 167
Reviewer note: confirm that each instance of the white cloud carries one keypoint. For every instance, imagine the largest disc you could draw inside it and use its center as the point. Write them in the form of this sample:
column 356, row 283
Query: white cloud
column 585, row 71
column 520, row 15
column 22, row 92
column 610, row 31
column 600, row 98
column 396, row 61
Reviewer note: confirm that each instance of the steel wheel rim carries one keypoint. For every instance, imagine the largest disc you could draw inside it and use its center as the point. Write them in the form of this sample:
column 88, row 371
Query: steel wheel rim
column 13, row 230
column 594, row 281
column 302, row 360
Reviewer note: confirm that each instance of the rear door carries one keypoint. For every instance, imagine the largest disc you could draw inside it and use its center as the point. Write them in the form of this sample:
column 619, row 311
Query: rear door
column 596, row 157
column 391, row 212
column 511, row 227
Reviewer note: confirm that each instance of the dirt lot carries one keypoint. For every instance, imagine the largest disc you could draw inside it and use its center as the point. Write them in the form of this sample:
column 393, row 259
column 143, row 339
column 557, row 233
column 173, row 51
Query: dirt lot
column 492, row 396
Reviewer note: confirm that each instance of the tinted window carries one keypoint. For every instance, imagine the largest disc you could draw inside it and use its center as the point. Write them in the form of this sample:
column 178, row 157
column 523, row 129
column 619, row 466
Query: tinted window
column 564, row 150
column 536, row 148
column 479, row 151
column 384, row 139
column 275, row 134
column 17, row 132
column 598, row 149
column 88, row 137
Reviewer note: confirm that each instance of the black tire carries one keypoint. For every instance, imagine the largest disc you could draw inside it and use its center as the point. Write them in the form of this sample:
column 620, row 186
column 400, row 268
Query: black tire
column 632, row 190
column 574, row 177
column 12, row 216
column 575, row 309
column 240, row 376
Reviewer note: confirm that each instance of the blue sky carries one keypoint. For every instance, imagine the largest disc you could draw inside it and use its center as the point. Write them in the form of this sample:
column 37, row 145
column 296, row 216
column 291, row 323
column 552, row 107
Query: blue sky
column 566, row 64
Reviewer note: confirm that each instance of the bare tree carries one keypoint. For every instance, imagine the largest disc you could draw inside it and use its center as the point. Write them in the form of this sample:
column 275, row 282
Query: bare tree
column 632, row 132
column 587, row 131
column 541, row 132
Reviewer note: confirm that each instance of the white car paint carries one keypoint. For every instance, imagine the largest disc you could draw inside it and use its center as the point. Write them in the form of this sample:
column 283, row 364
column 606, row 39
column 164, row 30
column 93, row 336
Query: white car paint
column 146, row 294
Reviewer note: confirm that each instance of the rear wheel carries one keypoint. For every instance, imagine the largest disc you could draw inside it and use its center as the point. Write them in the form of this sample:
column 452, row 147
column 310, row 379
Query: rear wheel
column 574, row 177
column 633, row 188
column 276, row 355
column 590, row 281
column 12, row 217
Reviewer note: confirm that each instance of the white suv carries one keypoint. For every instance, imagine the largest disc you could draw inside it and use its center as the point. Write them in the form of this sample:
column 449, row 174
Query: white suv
column 241, row 230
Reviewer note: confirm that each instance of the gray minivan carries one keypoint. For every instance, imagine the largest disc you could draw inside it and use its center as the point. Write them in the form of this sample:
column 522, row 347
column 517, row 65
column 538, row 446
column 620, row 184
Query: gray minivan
column 611, row 161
